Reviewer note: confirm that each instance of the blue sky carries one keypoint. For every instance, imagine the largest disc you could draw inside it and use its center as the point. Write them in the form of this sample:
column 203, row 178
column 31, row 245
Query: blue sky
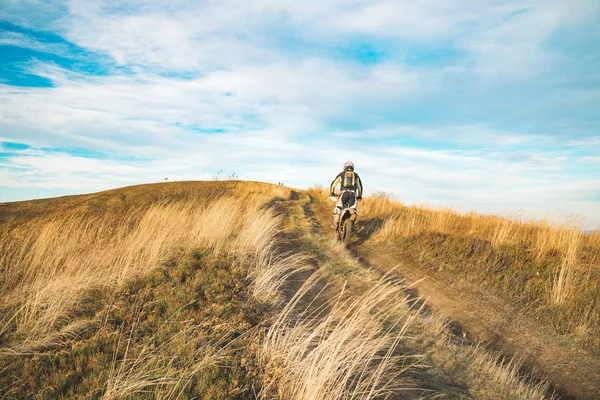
column 475, row 105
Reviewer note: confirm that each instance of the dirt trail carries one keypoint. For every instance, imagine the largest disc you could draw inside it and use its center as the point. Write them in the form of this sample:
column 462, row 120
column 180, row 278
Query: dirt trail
column 485, row 318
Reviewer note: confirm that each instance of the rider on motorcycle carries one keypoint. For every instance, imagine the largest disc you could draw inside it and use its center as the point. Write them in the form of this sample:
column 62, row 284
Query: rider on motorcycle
column 351, row 188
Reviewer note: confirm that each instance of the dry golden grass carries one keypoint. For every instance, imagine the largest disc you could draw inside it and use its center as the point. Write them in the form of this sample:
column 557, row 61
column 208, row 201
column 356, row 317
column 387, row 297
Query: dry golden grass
column 550, row 269
column 594, row 239
column 343, row 349
column 49, row 262
column 539, row 237
column 164, row 370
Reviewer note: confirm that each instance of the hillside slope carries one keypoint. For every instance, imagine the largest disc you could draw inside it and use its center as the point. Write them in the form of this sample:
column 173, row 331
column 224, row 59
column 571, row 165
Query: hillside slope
column 223, row 290
column 140, row 292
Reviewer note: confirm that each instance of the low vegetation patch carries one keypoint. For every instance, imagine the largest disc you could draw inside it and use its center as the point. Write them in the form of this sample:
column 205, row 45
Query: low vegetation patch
column 184, row 330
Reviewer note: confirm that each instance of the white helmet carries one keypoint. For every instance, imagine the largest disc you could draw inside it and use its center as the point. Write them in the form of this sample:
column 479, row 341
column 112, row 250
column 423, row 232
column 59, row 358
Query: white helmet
column 349, row 165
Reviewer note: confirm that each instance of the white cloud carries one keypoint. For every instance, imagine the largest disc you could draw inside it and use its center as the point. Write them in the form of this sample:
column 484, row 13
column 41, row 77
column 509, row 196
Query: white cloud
column 64, row 171
column 8, row 38
column 505, row 39
column 119, row 112
column 512, row 41
column 239, row 66
column 35, row 14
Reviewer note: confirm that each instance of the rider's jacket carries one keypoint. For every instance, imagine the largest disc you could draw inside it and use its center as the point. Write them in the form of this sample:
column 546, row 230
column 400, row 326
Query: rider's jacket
column 346, row 183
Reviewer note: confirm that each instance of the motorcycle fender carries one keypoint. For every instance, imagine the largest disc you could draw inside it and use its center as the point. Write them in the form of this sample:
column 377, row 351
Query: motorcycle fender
column 352, row 214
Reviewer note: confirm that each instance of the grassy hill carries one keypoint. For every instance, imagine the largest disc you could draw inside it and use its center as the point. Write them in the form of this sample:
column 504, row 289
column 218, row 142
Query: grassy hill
column 232, row 290
column 135, row 291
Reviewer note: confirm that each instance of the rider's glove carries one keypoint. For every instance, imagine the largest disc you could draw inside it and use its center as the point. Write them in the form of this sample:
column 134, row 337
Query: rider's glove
column 359, row 198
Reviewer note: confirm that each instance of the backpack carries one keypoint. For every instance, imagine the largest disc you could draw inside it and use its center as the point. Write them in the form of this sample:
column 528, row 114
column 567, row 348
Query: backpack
column 349, row 181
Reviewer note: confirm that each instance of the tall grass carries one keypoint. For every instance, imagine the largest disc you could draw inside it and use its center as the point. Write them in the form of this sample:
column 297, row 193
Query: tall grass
column 539, row 237
column 343, row 349
column 165, row 370
column 49, row 262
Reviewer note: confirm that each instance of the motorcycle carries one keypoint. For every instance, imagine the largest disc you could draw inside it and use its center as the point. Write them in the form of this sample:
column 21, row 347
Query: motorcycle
column 348, row 215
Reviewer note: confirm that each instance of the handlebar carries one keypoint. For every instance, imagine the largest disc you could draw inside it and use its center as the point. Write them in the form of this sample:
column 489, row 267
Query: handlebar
column 336, row 196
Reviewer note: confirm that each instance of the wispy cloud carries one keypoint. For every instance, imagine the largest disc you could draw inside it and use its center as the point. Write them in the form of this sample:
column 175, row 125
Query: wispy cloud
column 18, row 39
